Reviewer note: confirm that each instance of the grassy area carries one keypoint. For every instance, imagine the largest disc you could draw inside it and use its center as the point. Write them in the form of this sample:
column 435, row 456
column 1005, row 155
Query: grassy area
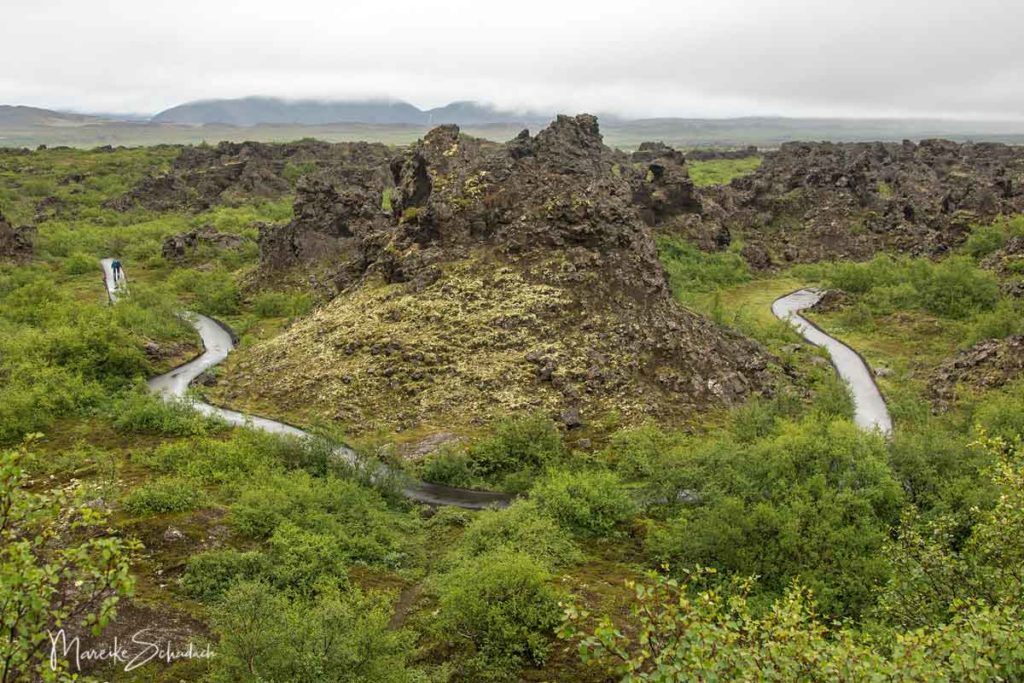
column 721, row 171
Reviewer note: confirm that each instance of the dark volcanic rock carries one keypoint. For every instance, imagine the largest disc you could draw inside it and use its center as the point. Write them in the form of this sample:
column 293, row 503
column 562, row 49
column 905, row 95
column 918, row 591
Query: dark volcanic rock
column 230, row 172
column 813, row 201
column 16, row 244
column 989, row 364
column 714, row 154
column 662, row 188
column 180, row 246
column 555, row 215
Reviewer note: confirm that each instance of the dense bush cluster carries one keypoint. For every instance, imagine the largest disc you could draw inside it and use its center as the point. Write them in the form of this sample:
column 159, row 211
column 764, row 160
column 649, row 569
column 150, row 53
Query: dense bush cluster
column 517, row 449
column 953, row 288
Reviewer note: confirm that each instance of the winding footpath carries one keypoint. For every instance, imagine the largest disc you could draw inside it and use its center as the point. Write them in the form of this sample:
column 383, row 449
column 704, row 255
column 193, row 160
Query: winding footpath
column 218, row 342
column 870, row 410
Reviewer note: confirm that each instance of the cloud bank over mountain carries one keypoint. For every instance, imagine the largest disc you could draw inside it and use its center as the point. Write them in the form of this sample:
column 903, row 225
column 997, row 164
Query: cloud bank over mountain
column 641, row 59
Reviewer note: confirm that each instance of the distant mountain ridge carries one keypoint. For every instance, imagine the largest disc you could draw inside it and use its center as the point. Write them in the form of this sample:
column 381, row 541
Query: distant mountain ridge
column 254, row 111
column 20, row 116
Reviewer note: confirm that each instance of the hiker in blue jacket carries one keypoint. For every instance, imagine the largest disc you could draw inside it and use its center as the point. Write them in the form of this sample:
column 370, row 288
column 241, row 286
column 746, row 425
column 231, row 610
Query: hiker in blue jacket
column 115, row 267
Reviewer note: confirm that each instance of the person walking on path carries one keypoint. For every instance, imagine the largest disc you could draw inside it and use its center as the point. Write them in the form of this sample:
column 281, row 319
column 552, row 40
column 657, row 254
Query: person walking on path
column 115, row 267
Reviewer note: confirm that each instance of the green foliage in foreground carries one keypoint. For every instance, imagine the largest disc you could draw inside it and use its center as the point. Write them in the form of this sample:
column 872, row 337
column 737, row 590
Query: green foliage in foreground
column 338, row 636
column 587, row 502
column 48, row 542
column 680, row 632
column 721, row 171
column 355, row 517
column 948, row 614
column 813, row 502
column 503, row 607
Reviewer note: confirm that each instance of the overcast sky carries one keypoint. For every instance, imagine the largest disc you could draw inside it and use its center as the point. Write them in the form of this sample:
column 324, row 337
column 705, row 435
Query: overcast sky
column 944, row 58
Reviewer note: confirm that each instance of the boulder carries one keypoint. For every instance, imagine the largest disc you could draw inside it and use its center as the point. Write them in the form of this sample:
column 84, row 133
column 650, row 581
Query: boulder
column 181, row 246
column 16, row 244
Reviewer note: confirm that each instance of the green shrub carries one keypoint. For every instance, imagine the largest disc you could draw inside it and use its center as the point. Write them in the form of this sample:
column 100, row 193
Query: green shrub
column 954, row 288
column 636, row 452
column 520, row 443
column 301, row 559
column 215, row 291
column 520, row 528
column 209, row 575
column 293, row 171
column 336, row 637
column 813, row 501
column 449, row 466
column 1005, row 320
column 986, row 239
column 169, row 494
column 80, row 263
column 281, row 304
column 692, row 270
column 246, row 454
column 957, row 288
column 502, row 606
column 860, row 278
column 96, row 350
column 1001, row 414
column 939, row 472
column 355, row 516
column 760, row 418
column 585, row 502
column 143, row 413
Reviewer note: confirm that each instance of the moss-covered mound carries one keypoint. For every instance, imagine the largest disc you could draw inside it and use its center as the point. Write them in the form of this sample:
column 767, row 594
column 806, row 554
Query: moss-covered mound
column 513, row 277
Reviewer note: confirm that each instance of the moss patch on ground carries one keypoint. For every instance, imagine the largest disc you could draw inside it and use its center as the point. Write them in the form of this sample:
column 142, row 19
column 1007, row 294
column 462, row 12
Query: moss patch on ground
column 721, row 171
column 452, row 356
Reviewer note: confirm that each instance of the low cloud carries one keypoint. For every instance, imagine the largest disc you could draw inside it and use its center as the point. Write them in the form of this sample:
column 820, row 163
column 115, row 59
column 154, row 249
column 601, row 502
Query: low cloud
column 645, row 58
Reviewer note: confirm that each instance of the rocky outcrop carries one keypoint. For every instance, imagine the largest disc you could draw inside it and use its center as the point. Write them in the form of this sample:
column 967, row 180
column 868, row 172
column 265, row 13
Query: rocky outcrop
column 504, row 277
column 16, row 244
column 230, row 173
column 183, row 245
column 989, row 364
column 716, row 154
column 662, row 189
column 813, row 201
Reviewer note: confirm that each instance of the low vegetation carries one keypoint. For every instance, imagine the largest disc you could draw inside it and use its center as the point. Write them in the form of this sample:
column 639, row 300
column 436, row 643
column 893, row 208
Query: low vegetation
column 773, row 541
column 721, row 171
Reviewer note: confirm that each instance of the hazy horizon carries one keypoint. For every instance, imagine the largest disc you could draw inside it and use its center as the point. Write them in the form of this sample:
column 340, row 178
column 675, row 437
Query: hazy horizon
column 530, row 112
column 649, row 59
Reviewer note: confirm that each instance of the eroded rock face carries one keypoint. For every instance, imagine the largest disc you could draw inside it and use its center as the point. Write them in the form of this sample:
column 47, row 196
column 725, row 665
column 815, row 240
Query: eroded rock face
column 181, row 246
column 811, row 201
column 989, row 364
column 515, row 276
column 16, row 244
